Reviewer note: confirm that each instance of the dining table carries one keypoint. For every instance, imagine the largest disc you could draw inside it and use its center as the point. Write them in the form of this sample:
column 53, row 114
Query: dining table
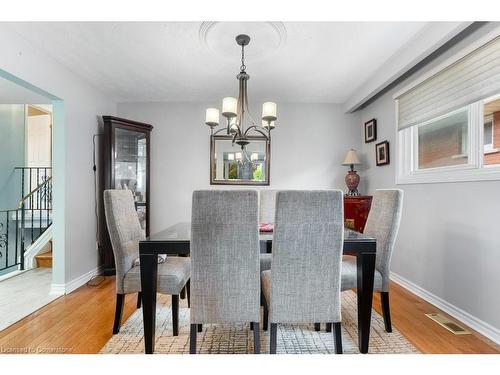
column 175, row 240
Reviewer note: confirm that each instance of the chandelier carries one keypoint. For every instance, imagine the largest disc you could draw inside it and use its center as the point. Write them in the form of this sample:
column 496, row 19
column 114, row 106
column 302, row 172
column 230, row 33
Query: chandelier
column 236, row 110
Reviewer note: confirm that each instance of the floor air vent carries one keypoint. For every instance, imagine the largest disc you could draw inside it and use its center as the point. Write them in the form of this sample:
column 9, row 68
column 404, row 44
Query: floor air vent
column 448, row 324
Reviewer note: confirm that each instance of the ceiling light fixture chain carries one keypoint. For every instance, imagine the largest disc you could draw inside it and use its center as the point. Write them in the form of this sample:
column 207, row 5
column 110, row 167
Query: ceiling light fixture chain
column 243, row 66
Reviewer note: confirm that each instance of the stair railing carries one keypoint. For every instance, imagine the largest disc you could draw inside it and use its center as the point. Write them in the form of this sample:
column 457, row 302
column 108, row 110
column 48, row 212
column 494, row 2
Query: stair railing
column 29, row 220
column 39, row 200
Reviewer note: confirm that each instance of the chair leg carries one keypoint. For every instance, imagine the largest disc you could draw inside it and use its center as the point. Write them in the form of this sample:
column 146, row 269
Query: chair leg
column 175, row 314
column 183, row 293
column 120, row 299
column 192, row 338
column 317, row 327
column 256, row 338
column 200, row 327
column 328, row 327
column 337, row 336
column 386, row 310
column 139, row 296
column 188, row 291
column 274, row 338
column 265, row 319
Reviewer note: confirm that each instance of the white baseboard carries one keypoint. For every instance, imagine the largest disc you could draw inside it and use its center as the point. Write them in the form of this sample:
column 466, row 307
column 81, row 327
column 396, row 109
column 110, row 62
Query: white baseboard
column 11, row 274
column 60, row 289
column 471, row 321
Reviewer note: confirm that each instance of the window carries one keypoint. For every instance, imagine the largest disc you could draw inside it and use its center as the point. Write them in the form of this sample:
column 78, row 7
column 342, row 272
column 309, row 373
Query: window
column 491, row 132
column 488, row 134
column 463, row 145
column 443, row 142
column 448, row 122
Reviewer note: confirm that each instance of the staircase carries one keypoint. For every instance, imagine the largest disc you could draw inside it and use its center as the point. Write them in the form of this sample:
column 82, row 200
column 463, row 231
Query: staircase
column 22, row 226
column 44, row 257
column 44, row 260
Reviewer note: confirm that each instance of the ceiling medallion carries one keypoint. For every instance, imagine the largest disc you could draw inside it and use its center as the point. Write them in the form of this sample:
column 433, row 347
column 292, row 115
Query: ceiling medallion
column 269, row 37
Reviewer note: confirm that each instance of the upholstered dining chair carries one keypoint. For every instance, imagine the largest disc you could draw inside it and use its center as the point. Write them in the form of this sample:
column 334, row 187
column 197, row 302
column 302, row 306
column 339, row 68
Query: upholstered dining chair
column 267, row 205
column 125, row 233
column 383, row 224
column 303, row 285
column 225, row 285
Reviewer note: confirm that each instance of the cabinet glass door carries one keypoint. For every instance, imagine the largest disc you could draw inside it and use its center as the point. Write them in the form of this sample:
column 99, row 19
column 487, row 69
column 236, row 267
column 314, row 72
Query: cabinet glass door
column 130, row 163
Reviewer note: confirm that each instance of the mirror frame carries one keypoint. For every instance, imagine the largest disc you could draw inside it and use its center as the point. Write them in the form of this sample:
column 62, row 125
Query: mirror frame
column 214, row 181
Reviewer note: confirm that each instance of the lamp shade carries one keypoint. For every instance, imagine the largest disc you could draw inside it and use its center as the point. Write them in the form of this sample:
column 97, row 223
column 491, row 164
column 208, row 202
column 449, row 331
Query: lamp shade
column 229, row 106
column 351, row 158
column 212, row 117
column 269, row 111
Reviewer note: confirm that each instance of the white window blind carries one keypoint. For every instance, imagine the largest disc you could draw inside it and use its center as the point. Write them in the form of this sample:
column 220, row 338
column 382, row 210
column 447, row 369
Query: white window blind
column 472, row 78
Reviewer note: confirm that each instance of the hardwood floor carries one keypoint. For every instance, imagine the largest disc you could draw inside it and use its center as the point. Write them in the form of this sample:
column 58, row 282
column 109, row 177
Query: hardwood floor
column 81, row 322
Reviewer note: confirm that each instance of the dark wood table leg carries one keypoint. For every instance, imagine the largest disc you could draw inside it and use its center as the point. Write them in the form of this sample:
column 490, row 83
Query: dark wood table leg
column 149, row 271
column 269, row 247
column 365, row 273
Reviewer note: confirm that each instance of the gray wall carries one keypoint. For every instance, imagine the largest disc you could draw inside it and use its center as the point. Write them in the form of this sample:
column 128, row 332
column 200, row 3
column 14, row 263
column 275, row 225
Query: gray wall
column 75, row 251
column 11, row 154
column 448, row 243
column 308, row 146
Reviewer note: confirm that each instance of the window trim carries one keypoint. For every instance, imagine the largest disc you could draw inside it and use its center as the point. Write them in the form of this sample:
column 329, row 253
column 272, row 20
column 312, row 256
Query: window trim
column 489, row 149
column 474, row 170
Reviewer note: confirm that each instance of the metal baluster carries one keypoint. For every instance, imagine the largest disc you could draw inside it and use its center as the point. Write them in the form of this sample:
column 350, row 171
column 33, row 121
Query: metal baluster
column 31, row 207
column 47, row 197
column 37, row 184
column 45, row 200
column 39, row 216
column 7, row 243
column 22, row 235
column 22, row 183
column 17, row 234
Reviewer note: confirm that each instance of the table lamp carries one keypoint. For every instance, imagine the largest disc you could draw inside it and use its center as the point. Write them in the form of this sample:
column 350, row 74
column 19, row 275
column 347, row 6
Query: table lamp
column 352, row 178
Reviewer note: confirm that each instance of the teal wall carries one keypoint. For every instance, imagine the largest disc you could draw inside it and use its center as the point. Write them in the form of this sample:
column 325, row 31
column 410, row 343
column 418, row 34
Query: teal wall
column 12, row 153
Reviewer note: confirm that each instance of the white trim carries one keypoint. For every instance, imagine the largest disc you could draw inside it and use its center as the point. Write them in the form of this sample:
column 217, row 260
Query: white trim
column 74, row 284
column 56, row 289
column 36, row 248
column 471, row 321
column 450, row 61
column 11, row 274
column 474, row 170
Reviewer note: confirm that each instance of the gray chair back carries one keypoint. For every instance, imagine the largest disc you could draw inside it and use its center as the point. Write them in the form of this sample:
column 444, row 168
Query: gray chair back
column 124, row 229
column 225, row 281
column 307, row 254
column 267, row 205
column 383, row 224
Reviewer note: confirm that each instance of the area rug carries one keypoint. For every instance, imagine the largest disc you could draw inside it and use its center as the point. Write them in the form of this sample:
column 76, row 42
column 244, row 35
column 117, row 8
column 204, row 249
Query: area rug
column 238, row 339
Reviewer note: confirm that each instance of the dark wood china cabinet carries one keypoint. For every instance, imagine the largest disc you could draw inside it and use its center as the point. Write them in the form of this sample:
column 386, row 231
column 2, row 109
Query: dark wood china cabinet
column 125, row 165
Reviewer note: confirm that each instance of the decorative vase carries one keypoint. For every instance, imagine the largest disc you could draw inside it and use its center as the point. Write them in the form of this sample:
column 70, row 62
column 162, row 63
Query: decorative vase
column 352, row 182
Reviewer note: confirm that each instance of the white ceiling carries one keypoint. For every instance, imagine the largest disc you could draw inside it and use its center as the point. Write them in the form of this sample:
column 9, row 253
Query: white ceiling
column 195, row 61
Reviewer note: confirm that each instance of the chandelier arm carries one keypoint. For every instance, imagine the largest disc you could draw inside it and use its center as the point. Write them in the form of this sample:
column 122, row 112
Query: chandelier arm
column 255, row 128
column 243, row 91
column 234, row 139
column 219, row 131
column 252, row 121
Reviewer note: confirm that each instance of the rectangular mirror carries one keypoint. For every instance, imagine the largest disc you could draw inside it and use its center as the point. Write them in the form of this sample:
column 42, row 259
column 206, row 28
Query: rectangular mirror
column 230, row 164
